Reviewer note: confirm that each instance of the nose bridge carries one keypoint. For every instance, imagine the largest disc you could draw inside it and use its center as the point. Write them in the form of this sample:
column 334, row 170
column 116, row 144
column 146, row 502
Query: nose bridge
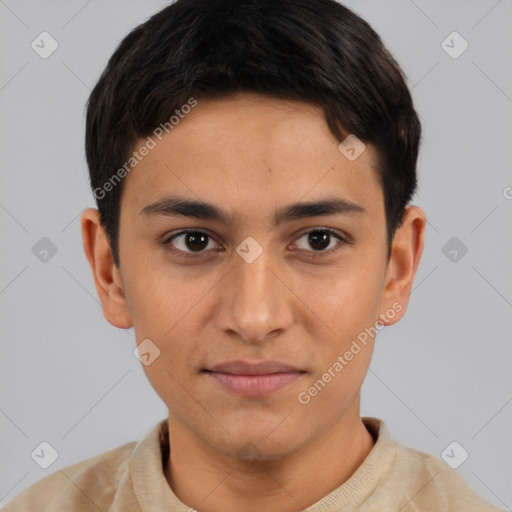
column 255, row 304
column 253, row 275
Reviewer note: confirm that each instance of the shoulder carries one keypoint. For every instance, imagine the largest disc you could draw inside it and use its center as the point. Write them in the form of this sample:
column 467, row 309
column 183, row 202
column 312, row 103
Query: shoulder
column 415, row 481
column 433, row 483
column 89, row 485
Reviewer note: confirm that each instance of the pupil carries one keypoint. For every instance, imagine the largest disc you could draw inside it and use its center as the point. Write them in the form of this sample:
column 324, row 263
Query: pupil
column 196, row 240
column 319, row 237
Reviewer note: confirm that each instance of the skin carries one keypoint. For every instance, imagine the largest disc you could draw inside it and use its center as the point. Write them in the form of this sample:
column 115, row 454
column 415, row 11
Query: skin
column 250, row 155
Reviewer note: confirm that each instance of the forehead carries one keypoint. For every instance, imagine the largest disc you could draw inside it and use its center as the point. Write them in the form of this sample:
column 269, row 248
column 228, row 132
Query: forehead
column 252, row 152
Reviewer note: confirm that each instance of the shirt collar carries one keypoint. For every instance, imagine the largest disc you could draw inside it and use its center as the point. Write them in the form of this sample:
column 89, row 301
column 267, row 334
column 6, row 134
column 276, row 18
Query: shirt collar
column 154, row 493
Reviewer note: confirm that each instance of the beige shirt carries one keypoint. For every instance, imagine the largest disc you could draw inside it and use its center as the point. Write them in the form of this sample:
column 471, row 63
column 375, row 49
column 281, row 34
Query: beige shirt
column 130, row 478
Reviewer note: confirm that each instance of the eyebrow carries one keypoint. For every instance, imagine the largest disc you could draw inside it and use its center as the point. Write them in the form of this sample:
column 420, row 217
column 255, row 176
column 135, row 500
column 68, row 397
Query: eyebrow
column 177, row 205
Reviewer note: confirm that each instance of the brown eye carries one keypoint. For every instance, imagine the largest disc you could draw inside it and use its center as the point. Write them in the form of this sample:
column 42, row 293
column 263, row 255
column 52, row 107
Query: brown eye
column 189, row 241
column 320, row 240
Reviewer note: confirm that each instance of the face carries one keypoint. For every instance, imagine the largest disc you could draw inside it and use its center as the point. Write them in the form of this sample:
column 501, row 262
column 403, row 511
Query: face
column 253, row 280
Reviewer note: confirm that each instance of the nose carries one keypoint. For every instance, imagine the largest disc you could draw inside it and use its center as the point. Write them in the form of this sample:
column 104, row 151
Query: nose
column 255, row 304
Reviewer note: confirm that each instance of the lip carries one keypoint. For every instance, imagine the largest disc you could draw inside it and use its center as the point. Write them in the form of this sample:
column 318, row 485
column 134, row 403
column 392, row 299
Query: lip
column 240, row 367
column 254, row 379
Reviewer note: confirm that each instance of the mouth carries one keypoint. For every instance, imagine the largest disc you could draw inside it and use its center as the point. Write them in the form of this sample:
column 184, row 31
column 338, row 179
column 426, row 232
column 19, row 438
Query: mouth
column 254, row 379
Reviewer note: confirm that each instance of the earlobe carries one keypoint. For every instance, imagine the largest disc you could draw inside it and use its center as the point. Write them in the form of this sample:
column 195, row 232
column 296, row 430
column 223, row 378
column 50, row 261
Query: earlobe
column 107, row 278
column 406, row 251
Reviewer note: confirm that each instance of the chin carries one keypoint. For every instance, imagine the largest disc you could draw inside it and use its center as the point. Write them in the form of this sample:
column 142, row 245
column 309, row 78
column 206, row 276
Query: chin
column 263, row 445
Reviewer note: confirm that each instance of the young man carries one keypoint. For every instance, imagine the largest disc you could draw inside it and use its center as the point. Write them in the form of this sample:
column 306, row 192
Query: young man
column 253, row 163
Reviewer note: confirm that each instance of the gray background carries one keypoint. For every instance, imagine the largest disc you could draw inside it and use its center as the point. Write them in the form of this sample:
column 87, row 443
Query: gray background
column 440, row 375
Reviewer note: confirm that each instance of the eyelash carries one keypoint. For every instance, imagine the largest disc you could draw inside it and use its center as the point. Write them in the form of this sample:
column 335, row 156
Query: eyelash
column 314, row 255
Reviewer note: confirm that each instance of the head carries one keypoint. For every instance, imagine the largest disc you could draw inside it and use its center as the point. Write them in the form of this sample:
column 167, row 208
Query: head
column 210, row 121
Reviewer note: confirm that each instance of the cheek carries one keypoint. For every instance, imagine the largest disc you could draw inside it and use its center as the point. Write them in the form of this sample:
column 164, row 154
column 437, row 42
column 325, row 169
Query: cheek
column 161, row 296
column 344, row 299
column 167, row 306
column 334, row 389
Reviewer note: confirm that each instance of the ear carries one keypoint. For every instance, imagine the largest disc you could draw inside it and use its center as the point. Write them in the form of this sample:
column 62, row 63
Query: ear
column 406, row 251
column 106, row 275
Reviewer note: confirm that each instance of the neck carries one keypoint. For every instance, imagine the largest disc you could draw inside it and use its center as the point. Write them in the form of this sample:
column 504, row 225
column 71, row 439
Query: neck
column 210, row 481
